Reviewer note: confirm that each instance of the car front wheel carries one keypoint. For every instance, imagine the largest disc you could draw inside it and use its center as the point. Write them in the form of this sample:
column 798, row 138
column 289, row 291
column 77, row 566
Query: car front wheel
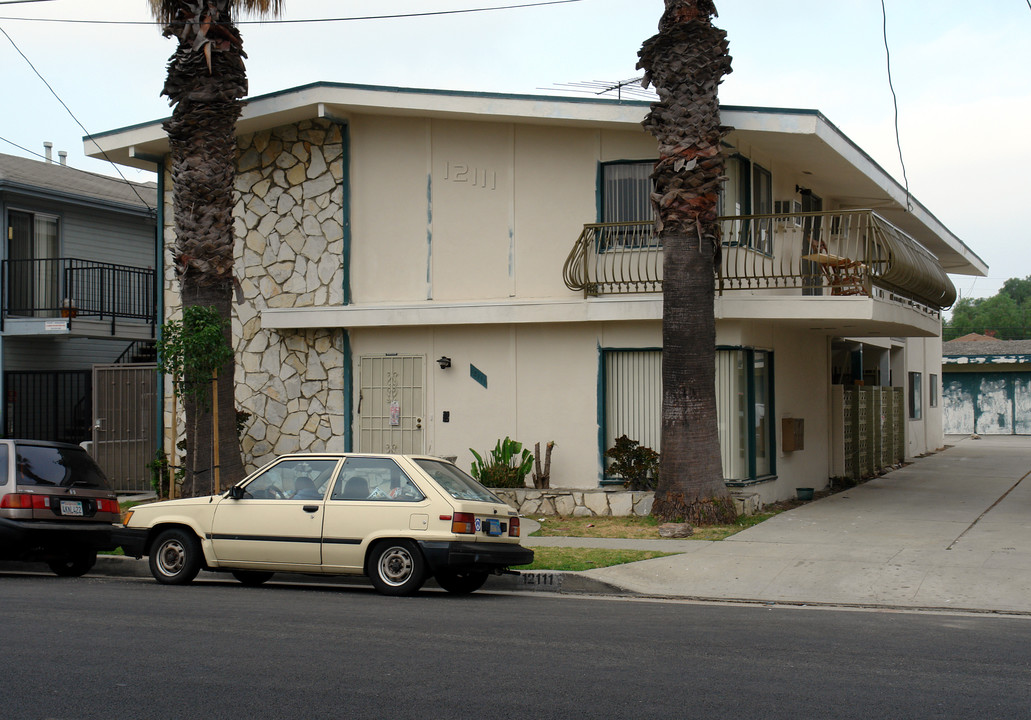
column 74, row 564
column 396, row 567
column 175, row 558
column 461, row 582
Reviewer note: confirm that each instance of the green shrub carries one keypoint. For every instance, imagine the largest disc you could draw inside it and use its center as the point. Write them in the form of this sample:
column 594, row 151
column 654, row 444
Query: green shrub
column 636, row 464
column 507, row 466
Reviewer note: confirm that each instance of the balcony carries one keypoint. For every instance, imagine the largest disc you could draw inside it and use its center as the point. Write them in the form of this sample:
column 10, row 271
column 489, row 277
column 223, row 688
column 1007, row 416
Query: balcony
column 95, row 298
column 846, row 253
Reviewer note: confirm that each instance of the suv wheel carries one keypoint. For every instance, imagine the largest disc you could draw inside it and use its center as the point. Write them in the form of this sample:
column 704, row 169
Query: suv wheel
column 396, row 567
column 74, row 564
column 175, row 557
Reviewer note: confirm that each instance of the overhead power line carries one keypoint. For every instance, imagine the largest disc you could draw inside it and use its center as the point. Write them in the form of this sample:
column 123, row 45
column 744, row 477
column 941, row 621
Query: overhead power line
column 894, row 99
column 428, row 13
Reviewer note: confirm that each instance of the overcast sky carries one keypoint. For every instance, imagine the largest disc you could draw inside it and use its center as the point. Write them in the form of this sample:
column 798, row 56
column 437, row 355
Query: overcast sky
column 960, row 71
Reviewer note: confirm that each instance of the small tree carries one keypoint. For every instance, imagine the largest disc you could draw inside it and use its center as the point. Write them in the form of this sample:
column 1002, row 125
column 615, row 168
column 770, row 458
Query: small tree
column 191, row 351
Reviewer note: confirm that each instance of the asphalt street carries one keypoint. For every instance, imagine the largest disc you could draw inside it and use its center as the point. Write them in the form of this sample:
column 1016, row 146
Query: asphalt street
column 101, row 647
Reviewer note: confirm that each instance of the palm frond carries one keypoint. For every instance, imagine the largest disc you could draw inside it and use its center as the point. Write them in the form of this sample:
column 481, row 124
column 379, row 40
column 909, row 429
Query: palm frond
column 165, row 11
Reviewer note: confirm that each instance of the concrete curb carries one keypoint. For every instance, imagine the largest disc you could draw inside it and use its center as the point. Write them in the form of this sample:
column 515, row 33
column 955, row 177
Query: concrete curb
column 528, row 581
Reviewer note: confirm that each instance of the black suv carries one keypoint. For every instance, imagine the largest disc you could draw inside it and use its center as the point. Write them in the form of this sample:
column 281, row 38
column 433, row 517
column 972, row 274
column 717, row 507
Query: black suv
column 55, row 506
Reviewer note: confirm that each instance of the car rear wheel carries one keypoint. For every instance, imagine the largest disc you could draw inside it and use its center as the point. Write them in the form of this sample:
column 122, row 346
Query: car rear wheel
column 175, row 558
column 74, row 564
column 252, row 578
column 461, row 582
column 396, row 567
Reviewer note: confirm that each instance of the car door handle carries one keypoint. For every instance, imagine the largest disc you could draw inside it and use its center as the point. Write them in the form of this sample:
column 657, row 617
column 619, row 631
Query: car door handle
column 310, row 508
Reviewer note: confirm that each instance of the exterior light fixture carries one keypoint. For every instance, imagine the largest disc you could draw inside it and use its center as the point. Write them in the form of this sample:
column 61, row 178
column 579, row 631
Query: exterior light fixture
column 444, row 362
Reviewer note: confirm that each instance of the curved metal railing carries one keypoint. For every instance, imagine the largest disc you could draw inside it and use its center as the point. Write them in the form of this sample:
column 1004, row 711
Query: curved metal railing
column 818, row 253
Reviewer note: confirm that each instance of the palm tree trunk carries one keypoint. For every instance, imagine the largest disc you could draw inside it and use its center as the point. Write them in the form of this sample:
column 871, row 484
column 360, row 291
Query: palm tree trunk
column 206, row 79
column 685, row 62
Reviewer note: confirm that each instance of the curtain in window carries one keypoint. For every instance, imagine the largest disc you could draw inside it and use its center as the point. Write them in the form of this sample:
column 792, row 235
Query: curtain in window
column 633, row 396
column 626, row 192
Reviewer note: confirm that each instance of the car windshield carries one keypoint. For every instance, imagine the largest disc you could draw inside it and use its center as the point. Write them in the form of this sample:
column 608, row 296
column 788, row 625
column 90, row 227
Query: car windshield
column 455, row 482
column 59, row 466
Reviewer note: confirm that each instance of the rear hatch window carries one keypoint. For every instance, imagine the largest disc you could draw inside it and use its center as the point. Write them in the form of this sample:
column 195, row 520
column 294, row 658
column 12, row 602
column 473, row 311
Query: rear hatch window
column 455, row 482
column 47, row 466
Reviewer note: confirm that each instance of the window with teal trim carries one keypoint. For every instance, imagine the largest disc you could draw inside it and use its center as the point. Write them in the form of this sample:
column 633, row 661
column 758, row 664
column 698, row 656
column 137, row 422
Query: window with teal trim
column 744, row 408
column 631, row 405
column 625, row 198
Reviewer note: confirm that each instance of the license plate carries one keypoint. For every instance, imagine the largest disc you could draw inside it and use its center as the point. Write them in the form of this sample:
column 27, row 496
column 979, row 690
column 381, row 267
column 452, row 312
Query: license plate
column 493, row 527
column 71, row 507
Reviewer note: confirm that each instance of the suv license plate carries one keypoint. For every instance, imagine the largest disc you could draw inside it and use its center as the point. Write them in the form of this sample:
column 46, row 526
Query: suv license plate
column 493, row 527
column 71, row 507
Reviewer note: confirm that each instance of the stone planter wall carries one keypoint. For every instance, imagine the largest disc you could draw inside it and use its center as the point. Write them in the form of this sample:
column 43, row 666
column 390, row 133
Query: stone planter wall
column 594, row 503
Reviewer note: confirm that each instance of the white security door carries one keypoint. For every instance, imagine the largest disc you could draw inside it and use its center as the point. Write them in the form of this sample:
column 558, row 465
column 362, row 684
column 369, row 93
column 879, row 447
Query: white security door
column 391, row 403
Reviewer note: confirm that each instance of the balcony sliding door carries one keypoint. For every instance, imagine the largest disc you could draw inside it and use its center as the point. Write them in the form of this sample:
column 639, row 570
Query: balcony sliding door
column 33, row 270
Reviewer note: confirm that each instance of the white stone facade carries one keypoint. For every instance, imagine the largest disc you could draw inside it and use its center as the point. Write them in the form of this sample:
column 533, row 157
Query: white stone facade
column 290, row 249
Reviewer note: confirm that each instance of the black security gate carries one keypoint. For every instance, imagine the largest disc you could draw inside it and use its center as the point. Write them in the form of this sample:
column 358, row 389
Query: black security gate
column 56, row 405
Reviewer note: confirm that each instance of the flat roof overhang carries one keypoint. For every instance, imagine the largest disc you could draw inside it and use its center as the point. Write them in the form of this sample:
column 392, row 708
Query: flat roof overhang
column 855, row 316
column 800, row 140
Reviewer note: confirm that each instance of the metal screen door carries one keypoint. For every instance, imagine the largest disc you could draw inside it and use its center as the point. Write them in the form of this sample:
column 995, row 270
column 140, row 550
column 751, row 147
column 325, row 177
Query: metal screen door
column 125, row 423
column 391, row 403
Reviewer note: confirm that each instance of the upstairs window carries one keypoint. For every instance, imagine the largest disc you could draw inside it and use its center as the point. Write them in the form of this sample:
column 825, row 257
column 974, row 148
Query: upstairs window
column 748, row 190
column 625, row 197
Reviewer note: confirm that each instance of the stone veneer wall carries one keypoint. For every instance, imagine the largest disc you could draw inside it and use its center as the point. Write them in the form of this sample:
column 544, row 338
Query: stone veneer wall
column 289, row 247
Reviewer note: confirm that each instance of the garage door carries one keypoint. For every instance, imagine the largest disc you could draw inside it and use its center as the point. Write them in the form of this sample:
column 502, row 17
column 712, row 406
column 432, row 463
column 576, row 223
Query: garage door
column 987, row 403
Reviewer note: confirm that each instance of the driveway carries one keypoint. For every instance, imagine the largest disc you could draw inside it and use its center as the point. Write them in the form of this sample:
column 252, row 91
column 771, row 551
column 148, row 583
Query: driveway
column 951, row 530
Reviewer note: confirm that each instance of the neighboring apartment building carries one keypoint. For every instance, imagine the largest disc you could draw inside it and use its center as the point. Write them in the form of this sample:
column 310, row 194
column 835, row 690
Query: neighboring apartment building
column 986, row 385
column 77, row 295
column 430, row 271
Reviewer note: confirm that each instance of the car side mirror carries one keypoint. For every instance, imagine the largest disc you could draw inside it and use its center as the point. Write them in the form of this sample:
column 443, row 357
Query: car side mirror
column 236, row 492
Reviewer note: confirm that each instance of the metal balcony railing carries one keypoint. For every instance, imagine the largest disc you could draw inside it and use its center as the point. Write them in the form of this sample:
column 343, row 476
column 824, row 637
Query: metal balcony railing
column 72, row 288
column 820, row 253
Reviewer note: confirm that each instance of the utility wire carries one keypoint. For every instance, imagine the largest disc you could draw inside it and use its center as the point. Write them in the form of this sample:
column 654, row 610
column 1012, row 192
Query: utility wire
column 65, row 106
column 430, row 13
column 895, row 100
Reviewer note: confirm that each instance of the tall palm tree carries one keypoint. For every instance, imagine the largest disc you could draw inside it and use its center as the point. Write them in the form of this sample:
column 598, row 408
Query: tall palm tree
column 685, row 62
column 206, row 80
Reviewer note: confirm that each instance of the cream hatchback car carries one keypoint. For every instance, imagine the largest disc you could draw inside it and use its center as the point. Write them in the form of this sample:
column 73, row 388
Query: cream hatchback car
column 397, row 519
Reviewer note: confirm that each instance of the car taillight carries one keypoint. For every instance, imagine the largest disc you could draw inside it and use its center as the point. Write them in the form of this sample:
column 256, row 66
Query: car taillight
column 24, row 501
column 463, row 523
column 513, row 527
column 108, row 506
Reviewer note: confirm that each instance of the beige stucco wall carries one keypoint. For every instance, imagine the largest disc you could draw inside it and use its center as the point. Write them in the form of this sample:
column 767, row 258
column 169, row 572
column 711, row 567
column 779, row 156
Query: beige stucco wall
column 459, row 211
column 456, row 211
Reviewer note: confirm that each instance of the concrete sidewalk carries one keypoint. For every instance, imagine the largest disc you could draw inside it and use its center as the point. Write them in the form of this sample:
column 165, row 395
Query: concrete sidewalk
column 949, row 531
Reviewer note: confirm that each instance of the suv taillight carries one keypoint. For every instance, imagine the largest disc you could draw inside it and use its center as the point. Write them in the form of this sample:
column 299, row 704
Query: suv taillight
column 109, row 506
column 24, row 501
column 463, row 523
column 513, row 527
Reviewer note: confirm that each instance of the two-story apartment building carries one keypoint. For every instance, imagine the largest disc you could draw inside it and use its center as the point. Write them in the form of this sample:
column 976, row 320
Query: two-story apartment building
column 78, row 295
column 429, row 271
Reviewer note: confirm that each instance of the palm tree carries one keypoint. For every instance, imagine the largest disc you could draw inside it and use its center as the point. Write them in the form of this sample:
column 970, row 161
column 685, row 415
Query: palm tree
column 206, row 80
column 685, row 62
